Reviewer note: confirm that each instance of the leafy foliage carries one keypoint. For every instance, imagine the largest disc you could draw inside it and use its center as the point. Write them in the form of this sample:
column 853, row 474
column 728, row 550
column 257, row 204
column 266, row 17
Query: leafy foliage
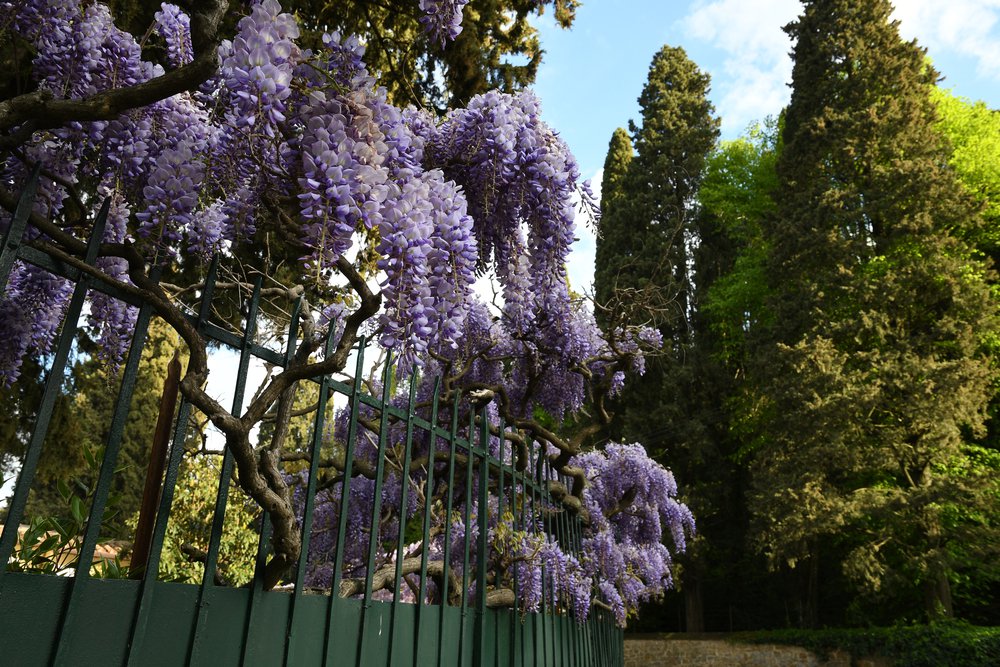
column 873, row 369
column 190, row 524
column 943, row 643
column 436, row 54
column 51, row 544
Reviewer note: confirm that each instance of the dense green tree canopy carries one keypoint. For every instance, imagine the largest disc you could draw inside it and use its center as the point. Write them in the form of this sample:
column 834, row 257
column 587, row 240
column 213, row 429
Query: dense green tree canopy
column 873, row 370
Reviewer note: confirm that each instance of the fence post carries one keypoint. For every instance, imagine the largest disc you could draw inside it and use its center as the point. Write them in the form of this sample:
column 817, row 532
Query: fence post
column 330, row 655
column 319, row 423
column 116, row 432
column 18, row 224
column 154, row 472
column 211, row 560
column 53, row 384
column 432, row 437
column 151, row 571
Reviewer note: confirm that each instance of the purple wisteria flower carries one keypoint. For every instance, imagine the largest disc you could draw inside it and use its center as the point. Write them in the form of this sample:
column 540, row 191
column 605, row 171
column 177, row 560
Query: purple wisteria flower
column 175, row 27
column 442, row 19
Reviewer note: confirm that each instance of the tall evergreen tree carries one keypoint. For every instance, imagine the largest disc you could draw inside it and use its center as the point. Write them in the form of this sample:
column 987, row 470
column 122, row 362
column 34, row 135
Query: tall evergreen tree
column 614, row 230
column 644, row 263
column 873, row 371
column 644, row 244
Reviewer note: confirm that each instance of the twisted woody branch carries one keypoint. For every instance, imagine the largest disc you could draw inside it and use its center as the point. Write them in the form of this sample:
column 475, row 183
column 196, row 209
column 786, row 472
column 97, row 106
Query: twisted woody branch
column 22, row 116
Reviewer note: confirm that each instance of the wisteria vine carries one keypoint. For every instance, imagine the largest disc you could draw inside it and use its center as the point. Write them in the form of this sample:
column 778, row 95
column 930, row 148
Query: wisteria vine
column 280, row 144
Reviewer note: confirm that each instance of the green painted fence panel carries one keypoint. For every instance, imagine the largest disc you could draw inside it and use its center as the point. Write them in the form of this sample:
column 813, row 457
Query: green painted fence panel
column 403, row 638
column 307, row 646
column 54, row 620
column 428, row 651
column 29, row 626
column 169, row 624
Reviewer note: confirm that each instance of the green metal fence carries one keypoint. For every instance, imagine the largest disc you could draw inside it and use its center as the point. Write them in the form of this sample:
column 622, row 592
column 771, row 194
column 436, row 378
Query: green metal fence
column 83, row 620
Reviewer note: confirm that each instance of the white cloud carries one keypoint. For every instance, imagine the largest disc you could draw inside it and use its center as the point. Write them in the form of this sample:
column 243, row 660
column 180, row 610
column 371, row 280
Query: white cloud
column 750, row 27
column 752, row 80
column 755, row 68
column 969, row 28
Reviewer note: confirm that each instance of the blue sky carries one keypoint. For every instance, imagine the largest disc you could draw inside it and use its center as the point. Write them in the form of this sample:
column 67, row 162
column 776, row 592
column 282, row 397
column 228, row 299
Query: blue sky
column 592, row 74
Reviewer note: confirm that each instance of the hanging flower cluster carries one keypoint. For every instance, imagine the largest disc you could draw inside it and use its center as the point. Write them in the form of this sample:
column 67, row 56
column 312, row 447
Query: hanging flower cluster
column 306, row 143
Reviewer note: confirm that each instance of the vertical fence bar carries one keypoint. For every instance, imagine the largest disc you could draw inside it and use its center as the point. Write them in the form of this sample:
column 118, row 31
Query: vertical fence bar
column 446, row 556
column 501, row 494
column 602, row 653
column 383, row 434
column 365, row 647
column 521, row 525
column 103, row 488
column 566, row 546
column 404, row 499
column 151, row 571
column 426, row 527
column 572, row 525
column 551, row 529
column 15, row 231
column 260, row 561
column 578, row 527
column 330, row 657
column 566, row 607
column 542, row 523
column 225, row 478
column 556, row 615
column 404, row 496
column 53, row 384
column 548, row 585
column 482, row 516
column 319, row 424
column 467, row 530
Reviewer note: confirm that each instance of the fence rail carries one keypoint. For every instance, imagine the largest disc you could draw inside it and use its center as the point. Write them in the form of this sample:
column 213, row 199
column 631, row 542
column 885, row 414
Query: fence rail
column 390, row 599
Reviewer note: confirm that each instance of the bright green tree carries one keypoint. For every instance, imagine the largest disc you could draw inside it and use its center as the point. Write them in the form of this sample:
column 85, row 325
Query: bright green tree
column 874, row 369
column 736, row 197
column 190, row 527
column 974, row 132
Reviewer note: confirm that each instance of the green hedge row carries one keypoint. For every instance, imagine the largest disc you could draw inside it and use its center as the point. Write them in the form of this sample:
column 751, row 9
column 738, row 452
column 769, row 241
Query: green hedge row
column 946, row 644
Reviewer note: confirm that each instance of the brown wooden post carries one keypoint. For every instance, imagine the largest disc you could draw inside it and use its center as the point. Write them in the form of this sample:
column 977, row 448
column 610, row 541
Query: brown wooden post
column 154, row 472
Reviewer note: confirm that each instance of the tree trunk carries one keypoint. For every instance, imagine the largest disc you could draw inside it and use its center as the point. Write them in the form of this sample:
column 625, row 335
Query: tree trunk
column 694, row 608
column 937, row 597
column 810, row 616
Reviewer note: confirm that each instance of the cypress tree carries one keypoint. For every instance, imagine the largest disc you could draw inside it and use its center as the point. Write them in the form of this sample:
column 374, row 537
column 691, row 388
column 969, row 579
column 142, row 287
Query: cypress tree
column 614, row 228
column 873, row 372
column 643, row 273
column 643, row 247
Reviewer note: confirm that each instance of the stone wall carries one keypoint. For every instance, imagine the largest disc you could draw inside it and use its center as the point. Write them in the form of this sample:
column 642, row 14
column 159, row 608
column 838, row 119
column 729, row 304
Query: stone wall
column 707, row 651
